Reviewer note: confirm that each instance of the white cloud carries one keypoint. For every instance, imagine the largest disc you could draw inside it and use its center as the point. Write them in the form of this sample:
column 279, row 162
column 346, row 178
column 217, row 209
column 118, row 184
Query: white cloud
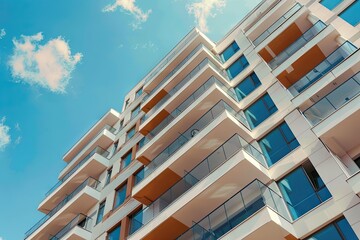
column 17, row 141
column 49, row 65
column 17, row 127
column 2, row 35
column 130, row 7
column 203, row 10
column 146, row 45
column 5, row 138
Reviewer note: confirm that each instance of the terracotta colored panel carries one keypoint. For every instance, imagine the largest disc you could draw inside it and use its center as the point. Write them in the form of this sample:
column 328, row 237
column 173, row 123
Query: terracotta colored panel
column 143, row 160
column 157, row 187
column 154, row 122
column 302, row 66
column 154, row 100
column 265, row 55
column 290, row 237
column 170, row 229
column 287, row 37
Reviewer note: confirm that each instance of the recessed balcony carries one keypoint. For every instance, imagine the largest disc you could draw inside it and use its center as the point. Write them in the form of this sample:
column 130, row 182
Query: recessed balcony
column 91, row 166
column 82, row 199
column 77, row 229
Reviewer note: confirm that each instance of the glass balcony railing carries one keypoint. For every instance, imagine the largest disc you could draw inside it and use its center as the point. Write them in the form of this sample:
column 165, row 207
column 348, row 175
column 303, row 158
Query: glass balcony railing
column 171, row 55
column 80, row 220
column 97, row 150
column 205, row 63
column 277, row 24
column 184, row 137
column 334, row 100
column 330, row 62
column 198, row 173
column 299, row 43
column 91, row 182
column 180, row 65
column 185, row 104
column 236, row 210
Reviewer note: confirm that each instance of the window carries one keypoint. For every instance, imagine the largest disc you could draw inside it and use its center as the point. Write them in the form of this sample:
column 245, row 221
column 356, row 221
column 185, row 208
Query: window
column 260, row 110
column 121, row 124
column 330, row 4
column 303, row 189
column 130, row 133
column 126, row 159
column 141, row 143
column 279, row 142
column 136, row 220
column 114, row 234
column 351, row 13
column 357, row 162
column 135, row 111
column 339, row 230
column 138, row 93
column 100, row 214
column 108, row 176
column 120, row 195
column 127, row 103
column 237, row 67
column 246, row 86
column 115, row 147
column 229, row 51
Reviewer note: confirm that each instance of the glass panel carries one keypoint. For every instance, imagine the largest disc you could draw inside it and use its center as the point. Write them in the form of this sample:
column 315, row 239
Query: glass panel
column 229, row 51
column 260, row 111
column 114, row 234
column 330, row 4
column 327, row 233
column 247, row 86
column 126, row 160
column 351, row 14
column 120, row 196
column 237, row 67
column 100, row 212
column 346, row 229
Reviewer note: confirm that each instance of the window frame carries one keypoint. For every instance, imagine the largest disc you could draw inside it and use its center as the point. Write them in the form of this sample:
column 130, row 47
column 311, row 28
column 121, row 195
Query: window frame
column 101, row 206
column 124, row 187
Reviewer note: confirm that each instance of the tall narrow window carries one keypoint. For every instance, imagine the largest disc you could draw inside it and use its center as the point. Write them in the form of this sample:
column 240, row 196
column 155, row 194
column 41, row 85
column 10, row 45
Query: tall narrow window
column 126, row 160
column 100, row 214
column 114, row 234
column 303, row 190
column 108, row 176
column 139, row 92
column 260, row 110
column 136, row 220
column 115, row 147
column 135, row 111
column 247, row 86
column 351, row 13
column 120, row 195
column 127, row 103
column 237, row 67
column 339, row 230
column 229, row 51
column 278, row 143
column 130, row 133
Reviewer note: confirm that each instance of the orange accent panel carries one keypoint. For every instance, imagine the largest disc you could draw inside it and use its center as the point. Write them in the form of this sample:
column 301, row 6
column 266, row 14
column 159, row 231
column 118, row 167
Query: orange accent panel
column 170, row 229
column 302, row 66
column 287, row 37
column 290, row 237
column 125, row 226
column 158, row 186
column 265, row 55
column 154, row 122
column 143, row 160
column 154, row 100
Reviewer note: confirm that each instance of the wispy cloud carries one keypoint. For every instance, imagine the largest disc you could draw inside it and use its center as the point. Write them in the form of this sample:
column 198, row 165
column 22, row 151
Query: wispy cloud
column 49, row 65
column 130, row 7
column 2, row 35
column 146, row 45
column 203, row 10
column 5, row 138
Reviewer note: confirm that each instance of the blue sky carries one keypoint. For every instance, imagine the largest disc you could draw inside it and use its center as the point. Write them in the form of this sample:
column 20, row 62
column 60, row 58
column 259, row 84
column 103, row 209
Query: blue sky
column 63, row 64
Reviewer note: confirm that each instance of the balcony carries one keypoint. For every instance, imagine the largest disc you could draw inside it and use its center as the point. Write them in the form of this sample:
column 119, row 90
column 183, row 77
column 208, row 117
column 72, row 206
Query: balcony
column 92, row 165
column 150, row 133
column 326, row 66
column 82, row 199
column 231, row 219
column 307, row 36
column 77, row 229
column 190, row 66
column 278, row 23
column 109, row 119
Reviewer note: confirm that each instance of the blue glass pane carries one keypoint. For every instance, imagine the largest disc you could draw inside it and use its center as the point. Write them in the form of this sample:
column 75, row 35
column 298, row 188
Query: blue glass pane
column 237, row 67
column 346, row 229
column 114, row 234
column 248, row 85
column 299, row 193
column 260, row 110
column 351, row 14
column 120, row 196
column 126, row 160
column 229, row 51
column 330, row 4
column 327, row 233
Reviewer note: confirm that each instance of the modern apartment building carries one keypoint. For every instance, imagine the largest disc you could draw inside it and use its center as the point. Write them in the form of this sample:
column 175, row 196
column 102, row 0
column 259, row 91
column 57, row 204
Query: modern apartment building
column 255, row 137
